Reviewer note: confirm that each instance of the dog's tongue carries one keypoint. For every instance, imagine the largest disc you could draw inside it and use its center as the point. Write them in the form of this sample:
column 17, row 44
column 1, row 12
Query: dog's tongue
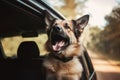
column 58, row 45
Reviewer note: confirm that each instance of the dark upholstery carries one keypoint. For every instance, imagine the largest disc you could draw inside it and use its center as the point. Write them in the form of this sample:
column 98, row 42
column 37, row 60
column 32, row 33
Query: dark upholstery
column 28, row 50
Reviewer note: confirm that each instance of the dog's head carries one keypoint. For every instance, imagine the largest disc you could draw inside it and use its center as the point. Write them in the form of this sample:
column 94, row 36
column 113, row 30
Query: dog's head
column 62, row 33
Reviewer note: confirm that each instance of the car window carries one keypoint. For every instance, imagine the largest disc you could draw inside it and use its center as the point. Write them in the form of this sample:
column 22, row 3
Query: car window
column 10, row 44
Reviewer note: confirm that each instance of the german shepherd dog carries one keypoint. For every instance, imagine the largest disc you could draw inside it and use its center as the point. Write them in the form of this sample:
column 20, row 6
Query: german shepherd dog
column 64, row 47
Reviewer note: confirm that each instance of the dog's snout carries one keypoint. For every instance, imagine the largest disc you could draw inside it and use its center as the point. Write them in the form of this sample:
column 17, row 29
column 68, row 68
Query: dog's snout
column 57, row 29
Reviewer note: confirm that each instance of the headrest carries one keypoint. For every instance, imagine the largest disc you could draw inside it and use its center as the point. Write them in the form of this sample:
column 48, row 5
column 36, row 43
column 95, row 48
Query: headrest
column 28, row 50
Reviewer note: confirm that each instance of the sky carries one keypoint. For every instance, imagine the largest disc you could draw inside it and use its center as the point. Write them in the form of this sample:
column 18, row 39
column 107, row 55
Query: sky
column 98, row 9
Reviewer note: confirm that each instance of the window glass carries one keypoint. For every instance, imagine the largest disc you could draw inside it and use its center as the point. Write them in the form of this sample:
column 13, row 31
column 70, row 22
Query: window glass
column 11, row 44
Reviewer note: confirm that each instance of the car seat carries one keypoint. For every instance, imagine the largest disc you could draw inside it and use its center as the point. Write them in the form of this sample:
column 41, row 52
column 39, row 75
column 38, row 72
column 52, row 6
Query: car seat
column 29, row 63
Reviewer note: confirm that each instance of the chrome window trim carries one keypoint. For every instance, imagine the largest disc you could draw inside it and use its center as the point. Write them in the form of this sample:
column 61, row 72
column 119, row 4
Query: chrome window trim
column 91, row 76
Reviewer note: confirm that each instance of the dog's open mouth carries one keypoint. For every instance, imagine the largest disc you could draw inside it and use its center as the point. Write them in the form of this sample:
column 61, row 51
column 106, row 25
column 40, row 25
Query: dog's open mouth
column 59, row 42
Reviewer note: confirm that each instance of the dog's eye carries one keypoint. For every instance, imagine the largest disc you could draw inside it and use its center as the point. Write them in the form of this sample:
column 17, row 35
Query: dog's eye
column 56, row 24
column 66, row 26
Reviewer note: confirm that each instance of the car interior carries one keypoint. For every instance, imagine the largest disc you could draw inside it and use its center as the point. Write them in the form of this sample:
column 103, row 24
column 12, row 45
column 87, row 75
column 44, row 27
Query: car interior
column 26, row 19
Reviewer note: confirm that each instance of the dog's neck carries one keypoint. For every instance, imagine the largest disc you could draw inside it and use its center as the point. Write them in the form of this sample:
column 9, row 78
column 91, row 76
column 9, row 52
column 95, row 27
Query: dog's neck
column 60, row 57
column 68, row 53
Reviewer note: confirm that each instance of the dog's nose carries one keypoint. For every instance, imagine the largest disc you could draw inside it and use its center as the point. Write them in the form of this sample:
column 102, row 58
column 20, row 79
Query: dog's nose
column 57, row 29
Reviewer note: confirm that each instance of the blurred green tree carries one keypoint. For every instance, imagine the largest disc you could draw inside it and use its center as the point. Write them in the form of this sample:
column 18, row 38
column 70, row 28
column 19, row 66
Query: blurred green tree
column 91, row 38
column 111, row 33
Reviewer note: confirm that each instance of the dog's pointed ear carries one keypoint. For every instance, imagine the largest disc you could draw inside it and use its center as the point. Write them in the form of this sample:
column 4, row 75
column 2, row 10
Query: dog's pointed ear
column 82, row 22
column 48, row 18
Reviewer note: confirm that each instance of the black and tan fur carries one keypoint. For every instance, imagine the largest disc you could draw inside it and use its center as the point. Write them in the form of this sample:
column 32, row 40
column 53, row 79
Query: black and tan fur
column 64, row 47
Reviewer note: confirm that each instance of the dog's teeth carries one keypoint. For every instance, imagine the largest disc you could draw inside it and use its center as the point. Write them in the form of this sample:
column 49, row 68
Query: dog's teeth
column 58, row 45
column 61, row 43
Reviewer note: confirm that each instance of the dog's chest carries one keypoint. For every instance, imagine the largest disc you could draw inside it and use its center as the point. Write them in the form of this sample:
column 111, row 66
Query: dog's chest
column 64, row 68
